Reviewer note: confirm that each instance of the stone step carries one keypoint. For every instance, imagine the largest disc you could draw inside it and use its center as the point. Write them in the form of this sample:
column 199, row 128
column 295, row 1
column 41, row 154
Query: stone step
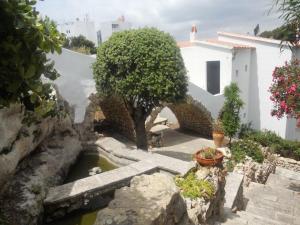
column 270, row 214
column 233, row 191
column 276, row 180
column 275, row 194
column 287, row 173
column 254, row 219
column 248, row 218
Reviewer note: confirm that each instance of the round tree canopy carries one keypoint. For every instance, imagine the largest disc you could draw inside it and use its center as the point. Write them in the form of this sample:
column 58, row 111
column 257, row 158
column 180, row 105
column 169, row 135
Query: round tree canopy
column 144, row 66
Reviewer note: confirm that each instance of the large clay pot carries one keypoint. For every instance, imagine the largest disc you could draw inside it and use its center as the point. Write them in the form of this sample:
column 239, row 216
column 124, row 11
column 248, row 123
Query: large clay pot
column 218, row 138
column 209, row 162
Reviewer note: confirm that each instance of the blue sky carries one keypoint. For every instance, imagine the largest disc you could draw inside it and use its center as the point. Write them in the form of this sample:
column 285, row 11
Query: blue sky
column 174, row 16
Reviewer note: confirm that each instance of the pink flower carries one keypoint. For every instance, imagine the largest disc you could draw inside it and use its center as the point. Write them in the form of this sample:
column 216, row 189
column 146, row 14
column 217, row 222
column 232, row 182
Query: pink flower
column 283, row 105
column 292, row 89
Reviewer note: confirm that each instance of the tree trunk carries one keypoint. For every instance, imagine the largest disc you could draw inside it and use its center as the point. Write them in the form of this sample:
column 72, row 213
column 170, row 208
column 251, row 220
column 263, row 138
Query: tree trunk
column 141, row 135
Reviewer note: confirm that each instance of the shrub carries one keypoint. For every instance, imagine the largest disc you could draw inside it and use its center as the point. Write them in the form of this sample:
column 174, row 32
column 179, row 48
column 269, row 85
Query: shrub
column 285, row 148
column 25, row 40
column 245, row 130
column 241, row 148
column 80, row 44
column 230, row 111
column 285, row 90
column 194, row 188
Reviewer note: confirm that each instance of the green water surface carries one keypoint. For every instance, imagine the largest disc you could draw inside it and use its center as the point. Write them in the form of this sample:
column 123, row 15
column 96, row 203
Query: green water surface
column 78, row 171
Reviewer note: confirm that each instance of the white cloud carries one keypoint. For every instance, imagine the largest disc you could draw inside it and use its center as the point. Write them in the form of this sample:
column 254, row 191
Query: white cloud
column 174, row 16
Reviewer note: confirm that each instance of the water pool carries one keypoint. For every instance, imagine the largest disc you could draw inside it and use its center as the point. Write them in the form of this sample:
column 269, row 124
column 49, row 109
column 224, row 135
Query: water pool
column 85, row 162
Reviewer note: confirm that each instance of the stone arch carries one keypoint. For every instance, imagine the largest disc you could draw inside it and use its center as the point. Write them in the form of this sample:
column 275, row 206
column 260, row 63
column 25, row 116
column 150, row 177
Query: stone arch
column 191, row 115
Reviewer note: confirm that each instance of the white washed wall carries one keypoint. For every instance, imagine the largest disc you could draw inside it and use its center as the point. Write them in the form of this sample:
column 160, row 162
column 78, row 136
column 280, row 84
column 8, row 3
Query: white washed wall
column 263, row 61
column 76, row 81
column 195, row 59
column 241, row 75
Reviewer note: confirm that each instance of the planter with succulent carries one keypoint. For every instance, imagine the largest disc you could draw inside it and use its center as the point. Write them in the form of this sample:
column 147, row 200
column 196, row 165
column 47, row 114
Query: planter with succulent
column 218, row 133
column 209, row 156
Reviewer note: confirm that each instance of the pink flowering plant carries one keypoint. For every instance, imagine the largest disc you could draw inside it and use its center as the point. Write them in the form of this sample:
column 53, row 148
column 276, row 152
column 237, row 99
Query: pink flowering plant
column 285, row 90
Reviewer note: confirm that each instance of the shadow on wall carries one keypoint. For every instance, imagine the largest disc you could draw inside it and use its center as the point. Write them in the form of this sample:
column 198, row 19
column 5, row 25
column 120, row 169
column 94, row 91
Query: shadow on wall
column 292, row 132
column 76, row 81
column 254, row 103
column 213, row 103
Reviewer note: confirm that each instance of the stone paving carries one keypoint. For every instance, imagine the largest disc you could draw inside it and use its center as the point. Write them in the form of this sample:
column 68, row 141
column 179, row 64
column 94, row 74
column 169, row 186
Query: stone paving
column 274, row 203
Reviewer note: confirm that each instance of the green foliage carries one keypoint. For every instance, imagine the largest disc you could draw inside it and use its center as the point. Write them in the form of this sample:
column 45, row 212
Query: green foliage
column 144, row 67
column 285, row 148
column 245, row 129
column 283, row 33
column 289, row 12
column 194, row 188
column 80, row 44
column 230, row 112
column 230, row 165
column 25, row 40
column 208, row 153
column 241, row 148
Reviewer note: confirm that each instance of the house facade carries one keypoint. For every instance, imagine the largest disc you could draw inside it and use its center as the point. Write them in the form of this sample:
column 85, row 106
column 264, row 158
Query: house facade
column 106, row 29
column 246, row 60
column 78, row 27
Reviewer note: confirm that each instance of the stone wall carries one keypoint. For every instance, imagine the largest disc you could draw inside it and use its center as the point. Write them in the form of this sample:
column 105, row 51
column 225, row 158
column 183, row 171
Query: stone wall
column 193, row 116
column 287, row 163
column 117, row 116
column 255, row 172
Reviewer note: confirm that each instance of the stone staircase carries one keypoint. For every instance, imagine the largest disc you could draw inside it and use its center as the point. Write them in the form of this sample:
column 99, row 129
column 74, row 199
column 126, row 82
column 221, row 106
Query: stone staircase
column 275, row 203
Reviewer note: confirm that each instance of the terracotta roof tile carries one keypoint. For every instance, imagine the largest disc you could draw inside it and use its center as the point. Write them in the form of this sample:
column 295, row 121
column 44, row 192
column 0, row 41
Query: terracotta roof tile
column 184, row 44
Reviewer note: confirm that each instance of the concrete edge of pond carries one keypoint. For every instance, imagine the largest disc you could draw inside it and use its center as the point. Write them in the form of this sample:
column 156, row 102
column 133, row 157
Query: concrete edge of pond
column 72, row 196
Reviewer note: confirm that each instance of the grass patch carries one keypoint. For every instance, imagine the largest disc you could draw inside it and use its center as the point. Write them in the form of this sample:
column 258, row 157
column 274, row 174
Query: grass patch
column 194, row 188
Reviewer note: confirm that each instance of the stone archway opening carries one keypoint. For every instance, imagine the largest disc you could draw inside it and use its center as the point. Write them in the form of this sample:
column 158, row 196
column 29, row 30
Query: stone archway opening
column 190, row 115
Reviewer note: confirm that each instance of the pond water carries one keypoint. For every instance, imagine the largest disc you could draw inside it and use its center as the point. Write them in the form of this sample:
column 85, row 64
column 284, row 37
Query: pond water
column 80, row 170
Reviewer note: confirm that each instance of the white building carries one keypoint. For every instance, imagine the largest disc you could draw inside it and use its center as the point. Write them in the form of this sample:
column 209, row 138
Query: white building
column 106, row 29
column 247, row 60
column 80, row 27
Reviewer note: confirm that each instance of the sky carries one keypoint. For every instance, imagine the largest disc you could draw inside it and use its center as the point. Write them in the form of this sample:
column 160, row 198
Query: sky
column 173, row 16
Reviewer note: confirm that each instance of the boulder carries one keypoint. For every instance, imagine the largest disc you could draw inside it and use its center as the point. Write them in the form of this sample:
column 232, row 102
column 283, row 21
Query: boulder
column 150, row 200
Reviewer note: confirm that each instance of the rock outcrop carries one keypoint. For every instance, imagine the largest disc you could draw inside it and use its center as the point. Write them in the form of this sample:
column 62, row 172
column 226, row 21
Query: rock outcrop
column 156, row 200
column 200, row 211
column 32, row 159
column 255, row 172
column 150, row 200
column 17, row 140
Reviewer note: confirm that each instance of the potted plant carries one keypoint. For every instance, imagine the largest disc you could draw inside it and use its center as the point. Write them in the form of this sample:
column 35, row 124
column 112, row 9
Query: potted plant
column 218, row 133
column 209, row 156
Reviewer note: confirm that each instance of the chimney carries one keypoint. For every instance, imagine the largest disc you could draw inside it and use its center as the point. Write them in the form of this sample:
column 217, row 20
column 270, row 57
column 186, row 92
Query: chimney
column 121, row 19
column 193, row 34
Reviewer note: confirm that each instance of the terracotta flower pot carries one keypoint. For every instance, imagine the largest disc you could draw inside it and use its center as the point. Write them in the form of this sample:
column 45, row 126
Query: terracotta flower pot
column 218, row 138
column 209, row 162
